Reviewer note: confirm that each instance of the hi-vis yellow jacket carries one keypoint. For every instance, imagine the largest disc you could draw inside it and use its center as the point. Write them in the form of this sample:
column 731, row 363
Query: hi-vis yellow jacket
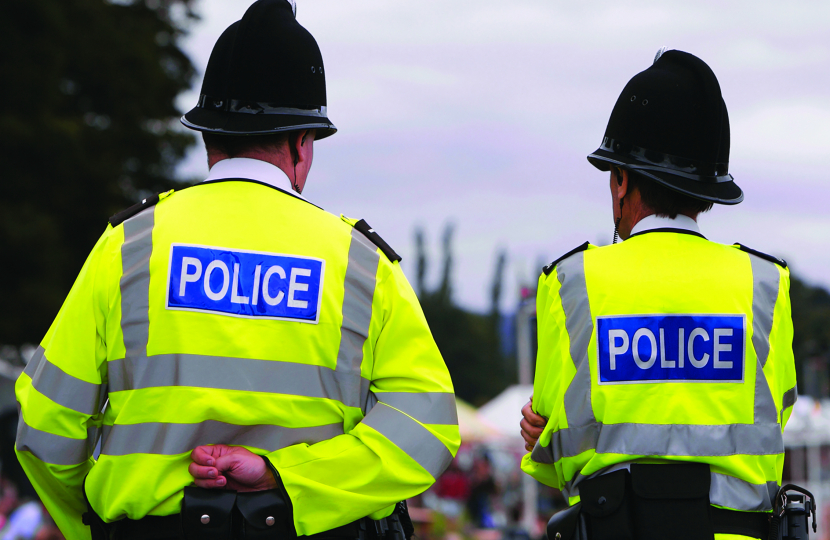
column 232, row 312
column 665, row 347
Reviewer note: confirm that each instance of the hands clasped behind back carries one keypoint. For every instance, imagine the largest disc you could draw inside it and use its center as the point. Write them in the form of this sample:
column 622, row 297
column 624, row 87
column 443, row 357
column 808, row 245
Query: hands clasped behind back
column 221, row 466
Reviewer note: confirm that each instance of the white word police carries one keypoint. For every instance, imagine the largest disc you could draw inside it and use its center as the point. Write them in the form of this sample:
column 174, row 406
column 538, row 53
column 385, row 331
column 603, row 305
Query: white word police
column 245, row 283
column 655, row 348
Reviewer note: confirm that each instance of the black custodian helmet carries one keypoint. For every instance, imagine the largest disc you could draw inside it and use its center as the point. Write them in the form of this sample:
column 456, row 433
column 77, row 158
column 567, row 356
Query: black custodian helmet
column 670, row 125
column 265, row 75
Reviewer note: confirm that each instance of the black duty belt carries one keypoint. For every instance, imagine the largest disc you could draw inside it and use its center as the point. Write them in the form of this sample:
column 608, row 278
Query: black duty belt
column 653, row 502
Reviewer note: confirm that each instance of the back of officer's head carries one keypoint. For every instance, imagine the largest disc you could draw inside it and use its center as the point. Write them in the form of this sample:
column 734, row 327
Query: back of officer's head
column 663, row 201
column 230, row 146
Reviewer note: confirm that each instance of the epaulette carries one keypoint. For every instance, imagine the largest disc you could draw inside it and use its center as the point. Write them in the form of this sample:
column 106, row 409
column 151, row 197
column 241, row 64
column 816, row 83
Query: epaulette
column 780, row 262
column 375, row 238
column 549, row 268
column 124, row 215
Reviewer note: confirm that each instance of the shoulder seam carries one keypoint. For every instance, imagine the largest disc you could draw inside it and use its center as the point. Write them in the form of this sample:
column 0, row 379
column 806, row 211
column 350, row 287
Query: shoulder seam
column 549, row 268
column 126, row 214
column 780, row 262
column 362, row 227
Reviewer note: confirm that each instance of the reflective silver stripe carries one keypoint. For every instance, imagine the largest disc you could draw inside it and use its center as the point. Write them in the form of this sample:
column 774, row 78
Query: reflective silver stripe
column 542, row 454
column 664, row 440
column 135, row 281
column 411, row 437
column 765, row 411
column 62, row 388
column 737, row 494
column 359, row 291
column 173, row 439
column 425, row 407
column 226, row 373
column 765, row 283
column 53, row 449
column 579, row 325
column 789, row 399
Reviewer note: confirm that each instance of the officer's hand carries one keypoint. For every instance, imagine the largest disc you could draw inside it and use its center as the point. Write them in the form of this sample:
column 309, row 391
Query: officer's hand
column 532, row 425
column 230, row 467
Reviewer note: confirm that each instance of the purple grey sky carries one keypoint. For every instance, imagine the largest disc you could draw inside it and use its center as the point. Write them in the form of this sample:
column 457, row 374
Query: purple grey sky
column 481, row 113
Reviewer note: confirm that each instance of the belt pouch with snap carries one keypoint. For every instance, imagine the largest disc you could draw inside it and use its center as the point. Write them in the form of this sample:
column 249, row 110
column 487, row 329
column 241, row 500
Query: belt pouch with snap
column 264, row 515
column 207, row 513
column 607, row 506
column 672, row 501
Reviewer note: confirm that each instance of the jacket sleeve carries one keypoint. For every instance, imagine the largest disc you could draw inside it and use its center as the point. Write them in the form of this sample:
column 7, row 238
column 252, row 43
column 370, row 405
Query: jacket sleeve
column 409, row 433
column 60, row 395
column 554, row 372
column 779, row 368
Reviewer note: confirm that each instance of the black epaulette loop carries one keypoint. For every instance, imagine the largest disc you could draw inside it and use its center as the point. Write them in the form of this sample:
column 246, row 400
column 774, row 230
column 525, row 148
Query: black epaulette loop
column 549, row 268
column 780, row 262
column 124, row 215
column 370, row 233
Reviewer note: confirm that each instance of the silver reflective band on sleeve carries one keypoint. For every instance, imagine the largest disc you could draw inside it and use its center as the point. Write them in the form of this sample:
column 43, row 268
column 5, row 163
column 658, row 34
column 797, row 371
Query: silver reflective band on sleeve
column 425, row 407
column 53, row 449
column 243, row 374
column 359, row 291
column 411, row 437
column 62, row 388
column 789, row 399
column 173, row 439
column 765, row 283
column 135, row 281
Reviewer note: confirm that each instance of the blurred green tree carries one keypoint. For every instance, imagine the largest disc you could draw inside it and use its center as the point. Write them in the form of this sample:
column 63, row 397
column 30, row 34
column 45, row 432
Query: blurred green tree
column 811, row 337
column 87, row 127
column 468, row 341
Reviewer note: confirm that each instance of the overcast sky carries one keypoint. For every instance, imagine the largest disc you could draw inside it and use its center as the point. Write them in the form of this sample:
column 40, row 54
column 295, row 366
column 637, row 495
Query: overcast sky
column 481, row 113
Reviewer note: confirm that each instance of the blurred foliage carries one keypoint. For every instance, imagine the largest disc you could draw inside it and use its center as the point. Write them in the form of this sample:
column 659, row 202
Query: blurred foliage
column 86, row 129
column 469, row 342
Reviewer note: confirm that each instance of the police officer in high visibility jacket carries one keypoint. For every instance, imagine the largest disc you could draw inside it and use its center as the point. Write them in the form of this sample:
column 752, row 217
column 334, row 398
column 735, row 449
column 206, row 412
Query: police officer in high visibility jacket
column 252, row 366
column 665, row 365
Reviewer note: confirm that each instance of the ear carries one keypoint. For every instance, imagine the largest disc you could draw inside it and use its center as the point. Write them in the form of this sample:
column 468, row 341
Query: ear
column 298, row 143
column 622, row 183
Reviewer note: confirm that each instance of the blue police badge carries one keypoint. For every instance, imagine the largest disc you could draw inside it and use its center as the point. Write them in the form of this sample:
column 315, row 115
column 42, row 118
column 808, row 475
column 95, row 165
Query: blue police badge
column 671, row 348
column 245, row 283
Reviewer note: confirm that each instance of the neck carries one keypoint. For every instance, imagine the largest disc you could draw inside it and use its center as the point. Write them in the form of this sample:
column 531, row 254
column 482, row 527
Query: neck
column 278, row 159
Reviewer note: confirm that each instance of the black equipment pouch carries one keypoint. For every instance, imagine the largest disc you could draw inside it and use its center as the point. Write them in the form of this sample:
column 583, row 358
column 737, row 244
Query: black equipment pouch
column 791, row 514
column 398, row 526
column 207, row 514
column 265, row 515
column 606, row 504
column 671, row 501
column 565, row 524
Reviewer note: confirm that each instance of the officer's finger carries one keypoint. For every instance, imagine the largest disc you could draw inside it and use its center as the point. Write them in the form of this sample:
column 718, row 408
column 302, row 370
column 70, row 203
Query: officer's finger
column 529, row 441
column 532, row 417
column 204, row 455
column 533, row 431
column 211, row 484
column 201, row 472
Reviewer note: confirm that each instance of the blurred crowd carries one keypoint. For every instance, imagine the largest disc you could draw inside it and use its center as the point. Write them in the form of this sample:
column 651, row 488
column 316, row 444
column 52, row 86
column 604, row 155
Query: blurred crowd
column 480, row 497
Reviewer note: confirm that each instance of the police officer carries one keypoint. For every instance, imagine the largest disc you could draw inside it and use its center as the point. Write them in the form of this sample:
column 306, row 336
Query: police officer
column 665, row 372
column 252, row 366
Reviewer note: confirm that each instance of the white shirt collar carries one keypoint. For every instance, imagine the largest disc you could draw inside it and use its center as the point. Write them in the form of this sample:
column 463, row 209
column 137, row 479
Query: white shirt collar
column 252, row 169
column 652, row 222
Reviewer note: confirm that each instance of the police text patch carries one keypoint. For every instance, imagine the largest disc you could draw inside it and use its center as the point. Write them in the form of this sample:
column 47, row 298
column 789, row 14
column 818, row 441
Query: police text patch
column 671, row 348
column 245, row 283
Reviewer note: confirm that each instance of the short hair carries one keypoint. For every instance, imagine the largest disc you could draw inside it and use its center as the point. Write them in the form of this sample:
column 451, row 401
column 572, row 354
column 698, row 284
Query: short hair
column 237, row 145
column 665, row 201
